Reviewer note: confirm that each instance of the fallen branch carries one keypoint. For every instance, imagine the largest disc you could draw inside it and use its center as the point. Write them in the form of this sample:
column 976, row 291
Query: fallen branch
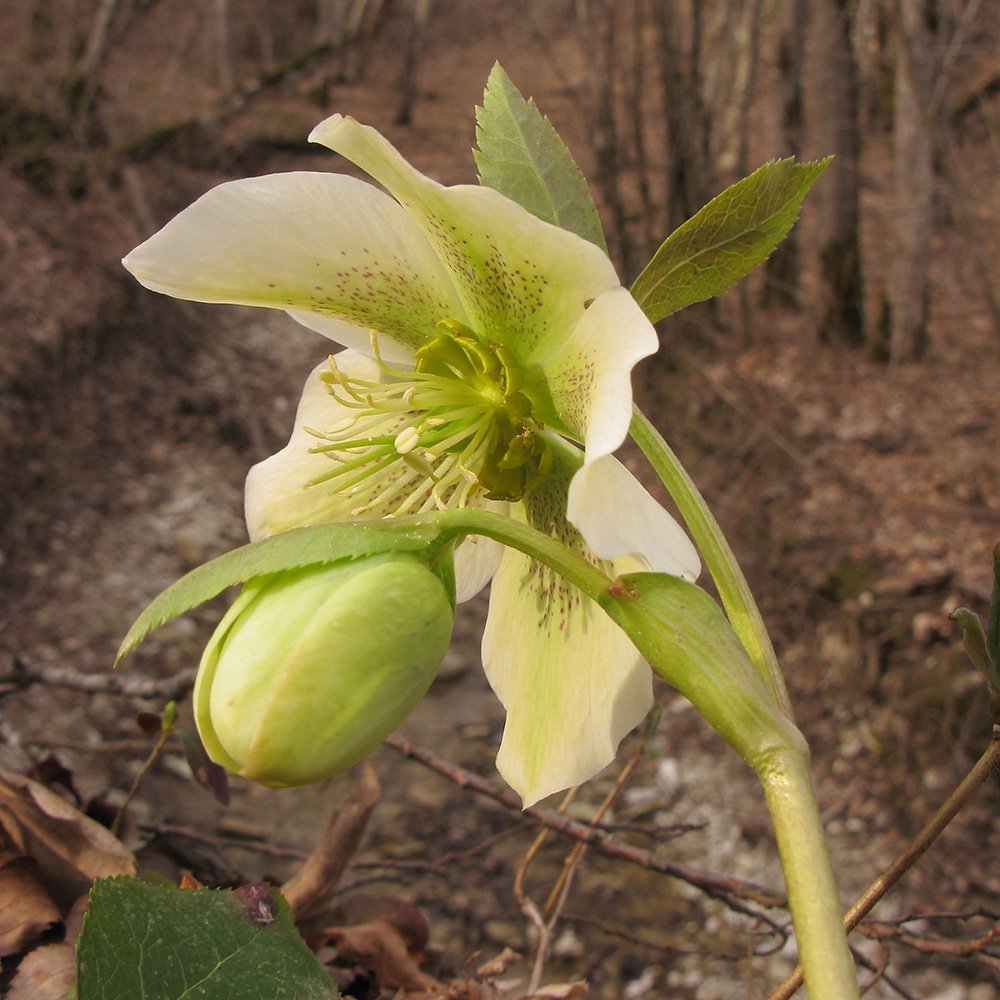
column 173, row 688
column 715, row 886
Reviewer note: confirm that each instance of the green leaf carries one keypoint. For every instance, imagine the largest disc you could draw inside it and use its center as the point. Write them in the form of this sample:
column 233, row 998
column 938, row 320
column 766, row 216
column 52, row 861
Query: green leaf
column 144, row 942
column 521, row 155
column 974, row 639
column 727, row 239
column 288, row 550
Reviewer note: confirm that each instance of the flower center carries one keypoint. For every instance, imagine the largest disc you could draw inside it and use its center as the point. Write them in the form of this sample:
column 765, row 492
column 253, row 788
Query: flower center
column 459, row 424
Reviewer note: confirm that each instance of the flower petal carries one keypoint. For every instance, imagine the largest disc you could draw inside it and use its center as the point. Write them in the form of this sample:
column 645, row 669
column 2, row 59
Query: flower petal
column 571, row 681
column 276, row 497
column 338, row 254
column 589, row 378
column 477, row 560
column 617, row 517
column 524, row 282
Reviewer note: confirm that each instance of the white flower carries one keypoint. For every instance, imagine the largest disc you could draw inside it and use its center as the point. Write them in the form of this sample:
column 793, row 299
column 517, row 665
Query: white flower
column 484, row 348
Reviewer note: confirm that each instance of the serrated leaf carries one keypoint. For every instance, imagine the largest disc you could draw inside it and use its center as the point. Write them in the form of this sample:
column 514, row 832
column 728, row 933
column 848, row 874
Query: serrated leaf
column 725, row 240
column 163, row 943
column 288, row 550
column 521, row 155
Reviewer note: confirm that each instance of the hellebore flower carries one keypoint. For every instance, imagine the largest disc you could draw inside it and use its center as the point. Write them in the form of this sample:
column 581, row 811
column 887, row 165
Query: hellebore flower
column 311, row 669
column 485, row 347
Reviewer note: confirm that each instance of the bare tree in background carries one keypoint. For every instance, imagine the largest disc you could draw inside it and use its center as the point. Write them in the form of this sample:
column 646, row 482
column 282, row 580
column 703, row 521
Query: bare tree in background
column 913, row 152
column 831, row 102
column 785, row 132
column 678, row 24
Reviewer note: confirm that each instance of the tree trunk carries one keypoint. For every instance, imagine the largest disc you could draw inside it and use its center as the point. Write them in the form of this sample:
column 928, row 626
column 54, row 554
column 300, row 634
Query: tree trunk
column 907, row 287
column 785, row 138
column 831, row 127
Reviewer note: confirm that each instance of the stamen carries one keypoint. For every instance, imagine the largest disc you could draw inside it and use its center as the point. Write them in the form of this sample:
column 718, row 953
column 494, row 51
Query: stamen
column 406, row 440
column 458, row 425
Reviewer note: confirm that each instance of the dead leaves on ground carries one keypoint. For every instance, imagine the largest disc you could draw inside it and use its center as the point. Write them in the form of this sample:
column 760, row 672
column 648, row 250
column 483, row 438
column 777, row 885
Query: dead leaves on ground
column 50, row 853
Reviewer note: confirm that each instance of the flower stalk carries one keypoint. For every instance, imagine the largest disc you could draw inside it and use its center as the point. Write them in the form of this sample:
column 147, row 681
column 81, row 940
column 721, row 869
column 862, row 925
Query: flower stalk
column 782, row 768
column 716, row 554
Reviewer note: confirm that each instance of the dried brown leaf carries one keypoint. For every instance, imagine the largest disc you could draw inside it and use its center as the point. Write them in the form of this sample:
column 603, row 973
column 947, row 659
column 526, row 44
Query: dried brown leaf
column 48, row 973
column 380, row 947
column 70, row 849
column 499, row 965
column 26, row 909
column 559, row 991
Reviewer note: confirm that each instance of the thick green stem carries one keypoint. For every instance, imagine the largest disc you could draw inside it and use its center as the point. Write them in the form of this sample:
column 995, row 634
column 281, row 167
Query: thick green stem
column 812, row 894
column 544, row 548
column 715, row 551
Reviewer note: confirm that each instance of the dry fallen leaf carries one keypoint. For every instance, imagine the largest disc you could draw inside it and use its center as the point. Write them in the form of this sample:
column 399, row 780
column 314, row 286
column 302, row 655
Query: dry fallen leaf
column 26, row 909
column 70, row 849
column 47, row 973
column 380, row 947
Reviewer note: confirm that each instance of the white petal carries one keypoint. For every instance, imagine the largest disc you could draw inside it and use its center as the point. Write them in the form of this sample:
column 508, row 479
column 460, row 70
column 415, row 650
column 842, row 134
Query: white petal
column 275, row 498
column 590, row 376
column 617, row 517
column 524, row 282
column 570, row 679
column 341, row 256
column 476, row 562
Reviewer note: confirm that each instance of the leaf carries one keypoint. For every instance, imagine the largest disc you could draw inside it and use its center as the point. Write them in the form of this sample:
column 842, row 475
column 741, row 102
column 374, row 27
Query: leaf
column 71, row 849
column 288, row 550
column 521, row 155
column 974, row 639
column 47, row 973
column 163, row 943
column 727, row 239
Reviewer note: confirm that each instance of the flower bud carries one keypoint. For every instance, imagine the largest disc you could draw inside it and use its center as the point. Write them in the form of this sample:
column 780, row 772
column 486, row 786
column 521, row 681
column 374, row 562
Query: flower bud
column 311, row 669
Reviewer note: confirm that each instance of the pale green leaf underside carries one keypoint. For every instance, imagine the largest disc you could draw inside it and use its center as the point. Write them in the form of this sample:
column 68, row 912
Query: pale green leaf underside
column 521, row 155
column 287, row 550
column 144, row 942
column 727, row 239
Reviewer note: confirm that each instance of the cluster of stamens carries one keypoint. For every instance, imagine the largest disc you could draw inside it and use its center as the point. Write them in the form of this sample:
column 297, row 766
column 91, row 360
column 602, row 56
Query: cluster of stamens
column 458, row 425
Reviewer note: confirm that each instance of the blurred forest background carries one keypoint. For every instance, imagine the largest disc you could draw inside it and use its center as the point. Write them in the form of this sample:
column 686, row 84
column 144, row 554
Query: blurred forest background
column 839, row 410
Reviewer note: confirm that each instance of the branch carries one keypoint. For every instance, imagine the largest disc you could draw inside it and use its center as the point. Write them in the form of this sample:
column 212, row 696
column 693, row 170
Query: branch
column 715, row 886
column 173, row 688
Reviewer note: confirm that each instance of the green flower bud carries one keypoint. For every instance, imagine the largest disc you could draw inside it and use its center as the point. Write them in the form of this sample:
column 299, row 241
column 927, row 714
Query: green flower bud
column 311, row 669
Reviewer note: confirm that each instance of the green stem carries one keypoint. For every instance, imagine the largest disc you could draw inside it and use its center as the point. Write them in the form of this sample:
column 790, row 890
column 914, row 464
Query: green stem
column 827, row 965
column 730, row 582
column 470, row 521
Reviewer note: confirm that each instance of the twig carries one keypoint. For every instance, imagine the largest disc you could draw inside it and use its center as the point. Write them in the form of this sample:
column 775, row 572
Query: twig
column 549, row 918
column 131, row 685
column 716, row 886
column 933, row 946
column 880, row 972
column 170, row 830
column 170, row 714
column 312, row 886
column 909, row 857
